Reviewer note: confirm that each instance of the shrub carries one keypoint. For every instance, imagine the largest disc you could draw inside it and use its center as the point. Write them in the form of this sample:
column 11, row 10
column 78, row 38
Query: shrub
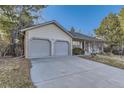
column 77, row 51
column 118, row 52
column 107, row 50
column 82, row 51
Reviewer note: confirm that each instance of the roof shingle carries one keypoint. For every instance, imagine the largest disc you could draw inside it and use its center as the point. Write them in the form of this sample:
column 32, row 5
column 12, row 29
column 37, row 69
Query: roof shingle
column 82, row 36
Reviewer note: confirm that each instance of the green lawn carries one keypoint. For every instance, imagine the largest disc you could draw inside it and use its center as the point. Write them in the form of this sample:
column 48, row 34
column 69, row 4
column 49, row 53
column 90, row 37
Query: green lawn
column 14, row 73
column 111, row 60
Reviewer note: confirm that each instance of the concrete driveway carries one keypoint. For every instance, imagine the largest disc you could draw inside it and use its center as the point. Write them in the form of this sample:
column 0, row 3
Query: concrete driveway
column 74, row 72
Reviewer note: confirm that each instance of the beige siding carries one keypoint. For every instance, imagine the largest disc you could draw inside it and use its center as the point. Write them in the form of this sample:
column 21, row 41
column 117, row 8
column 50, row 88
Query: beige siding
column 51, row 32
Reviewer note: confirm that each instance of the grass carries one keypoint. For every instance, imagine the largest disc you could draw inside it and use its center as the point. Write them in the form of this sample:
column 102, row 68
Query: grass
column 111, row 60
column 14, row 73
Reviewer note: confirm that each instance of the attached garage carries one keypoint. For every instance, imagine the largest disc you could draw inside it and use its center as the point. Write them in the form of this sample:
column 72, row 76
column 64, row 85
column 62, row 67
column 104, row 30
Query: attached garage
column 61, row 48
column 46, row 40
column 39, row 48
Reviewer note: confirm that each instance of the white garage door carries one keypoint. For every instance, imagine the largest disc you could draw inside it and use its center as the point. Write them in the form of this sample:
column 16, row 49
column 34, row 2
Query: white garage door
column 39, row 48
column 61, row 48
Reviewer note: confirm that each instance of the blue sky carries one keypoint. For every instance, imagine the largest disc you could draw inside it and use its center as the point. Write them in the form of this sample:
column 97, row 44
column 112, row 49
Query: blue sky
column 85, row 18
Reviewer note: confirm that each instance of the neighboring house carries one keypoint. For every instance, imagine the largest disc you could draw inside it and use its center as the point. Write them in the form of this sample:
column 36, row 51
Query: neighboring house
column 87, row 43
column 47, row 39
column 51, row 39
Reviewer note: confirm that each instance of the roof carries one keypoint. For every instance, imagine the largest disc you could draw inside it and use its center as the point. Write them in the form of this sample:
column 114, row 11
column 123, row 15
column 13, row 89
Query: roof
column 47, row 23
column 73, row 34
column 78, row 35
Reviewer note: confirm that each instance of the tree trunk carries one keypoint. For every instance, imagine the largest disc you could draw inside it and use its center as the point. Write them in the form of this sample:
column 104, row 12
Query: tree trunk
column 13, row 46
column 111, row 49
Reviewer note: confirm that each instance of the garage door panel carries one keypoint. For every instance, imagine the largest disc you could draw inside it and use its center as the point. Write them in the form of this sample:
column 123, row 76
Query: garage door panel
column 61, row 48
column 39, row 48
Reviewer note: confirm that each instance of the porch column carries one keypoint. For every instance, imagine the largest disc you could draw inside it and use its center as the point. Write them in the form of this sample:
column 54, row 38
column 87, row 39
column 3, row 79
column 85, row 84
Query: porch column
column 81, row 44
column 89, row 47
column 95, row 46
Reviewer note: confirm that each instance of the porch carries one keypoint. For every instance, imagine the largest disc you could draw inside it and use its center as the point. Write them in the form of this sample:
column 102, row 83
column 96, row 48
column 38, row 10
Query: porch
column 88, row 46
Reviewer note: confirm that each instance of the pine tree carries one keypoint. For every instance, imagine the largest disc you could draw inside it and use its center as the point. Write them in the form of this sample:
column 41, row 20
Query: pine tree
column 13, row 18
column 110, row 30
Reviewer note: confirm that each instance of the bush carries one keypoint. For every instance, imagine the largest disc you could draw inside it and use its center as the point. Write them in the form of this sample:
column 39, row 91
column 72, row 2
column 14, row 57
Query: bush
column 114, row 50
column 118, row 52
column 107, row 49
column 93, row 54
column 82, row 51
column 78, row 51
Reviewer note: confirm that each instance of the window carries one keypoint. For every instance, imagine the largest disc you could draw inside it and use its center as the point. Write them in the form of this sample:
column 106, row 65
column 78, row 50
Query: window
column 77, row 44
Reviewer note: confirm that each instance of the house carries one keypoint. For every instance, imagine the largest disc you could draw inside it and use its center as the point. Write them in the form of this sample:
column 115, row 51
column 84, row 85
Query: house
column 51, row 39
column 46, row 40
column 87, row 43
